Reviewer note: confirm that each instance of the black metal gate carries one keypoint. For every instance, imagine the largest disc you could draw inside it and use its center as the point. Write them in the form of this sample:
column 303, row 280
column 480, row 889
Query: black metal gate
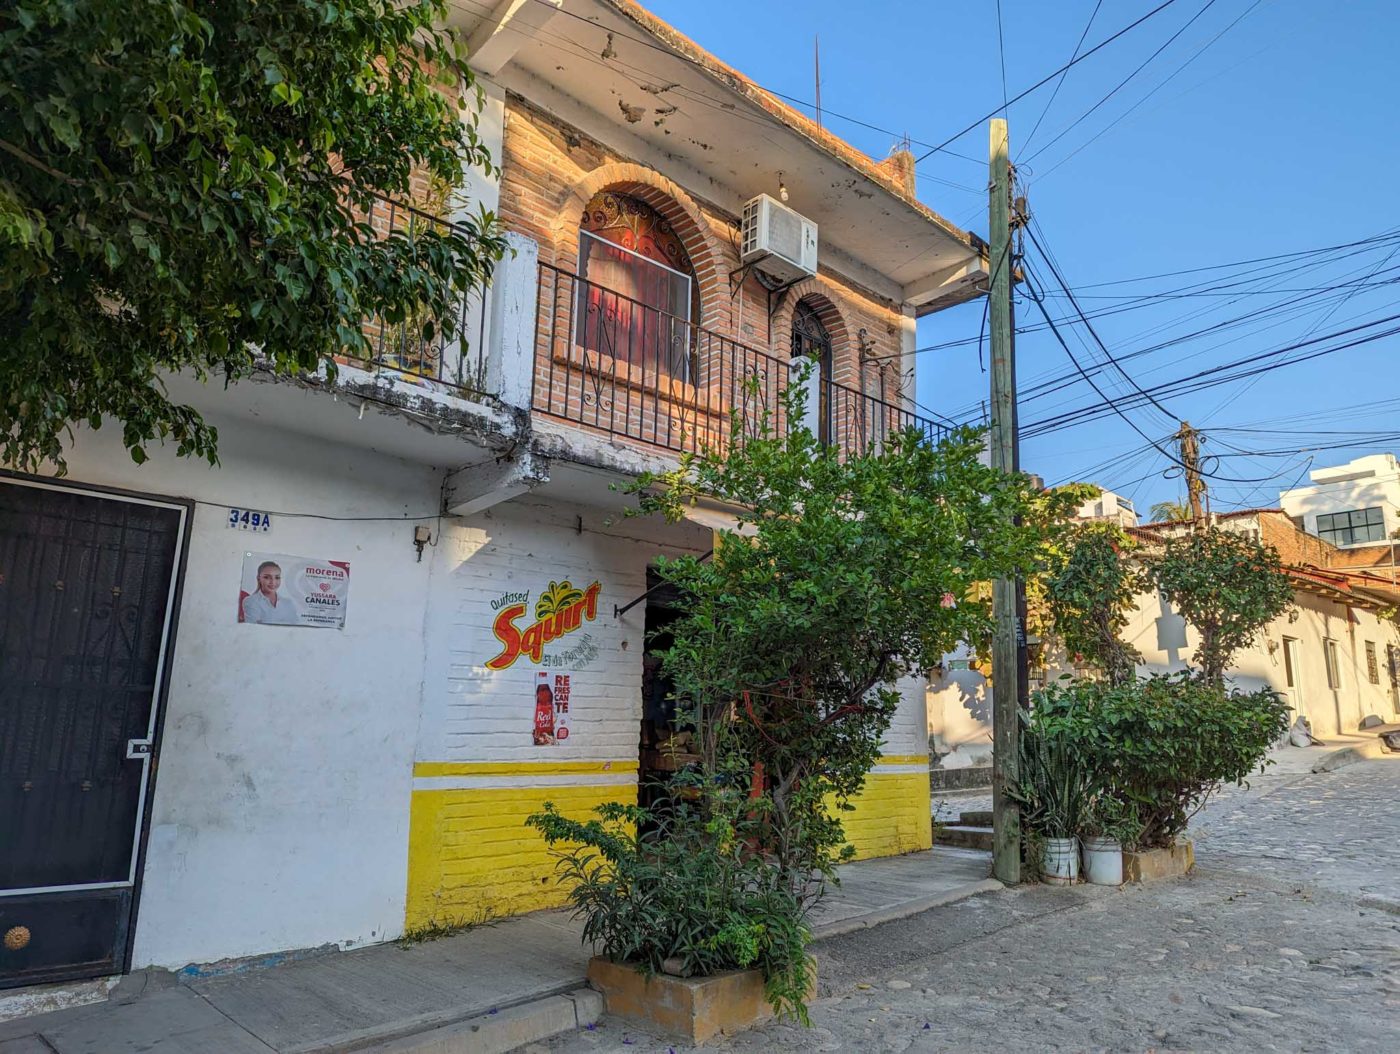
column 87, row 596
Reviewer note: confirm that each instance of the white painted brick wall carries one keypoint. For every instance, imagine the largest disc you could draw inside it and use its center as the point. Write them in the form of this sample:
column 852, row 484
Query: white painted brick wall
column 908, row 732
column 471, row 713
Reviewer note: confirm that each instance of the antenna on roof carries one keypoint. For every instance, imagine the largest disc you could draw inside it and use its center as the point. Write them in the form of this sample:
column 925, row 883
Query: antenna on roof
column 817, row 72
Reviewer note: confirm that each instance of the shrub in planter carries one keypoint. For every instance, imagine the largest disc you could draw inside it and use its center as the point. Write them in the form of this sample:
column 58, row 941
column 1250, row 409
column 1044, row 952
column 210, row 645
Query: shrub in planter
column 1109, row 823
column 1109, row 816
column 1162, row 745
column 690, row 890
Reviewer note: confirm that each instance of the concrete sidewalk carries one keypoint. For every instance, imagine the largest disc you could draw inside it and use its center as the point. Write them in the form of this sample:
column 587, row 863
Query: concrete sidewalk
column 488, row 989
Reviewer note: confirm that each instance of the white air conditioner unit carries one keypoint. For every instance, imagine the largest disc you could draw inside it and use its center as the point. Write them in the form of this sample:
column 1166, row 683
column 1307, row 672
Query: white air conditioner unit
column 778, row 241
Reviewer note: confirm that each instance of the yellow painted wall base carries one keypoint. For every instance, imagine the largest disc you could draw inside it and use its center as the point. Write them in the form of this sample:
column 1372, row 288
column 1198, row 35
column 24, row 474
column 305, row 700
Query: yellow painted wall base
column 892, row 815
column 471, row 858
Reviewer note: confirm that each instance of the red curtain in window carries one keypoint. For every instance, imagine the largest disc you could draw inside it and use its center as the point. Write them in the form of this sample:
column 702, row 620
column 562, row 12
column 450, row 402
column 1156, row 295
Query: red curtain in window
column 636, row 305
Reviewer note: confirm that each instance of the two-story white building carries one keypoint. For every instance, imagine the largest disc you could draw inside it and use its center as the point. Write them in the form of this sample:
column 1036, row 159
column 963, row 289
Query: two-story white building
column 1349, row 505
column 309, row 696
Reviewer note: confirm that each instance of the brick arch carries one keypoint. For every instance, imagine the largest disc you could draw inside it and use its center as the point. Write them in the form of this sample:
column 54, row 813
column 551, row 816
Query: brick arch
column 809, row 291
column 674, row 204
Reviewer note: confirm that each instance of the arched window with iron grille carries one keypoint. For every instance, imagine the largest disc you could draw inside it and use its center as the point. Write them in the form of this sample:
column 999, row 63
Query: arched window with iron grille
column 638, row 297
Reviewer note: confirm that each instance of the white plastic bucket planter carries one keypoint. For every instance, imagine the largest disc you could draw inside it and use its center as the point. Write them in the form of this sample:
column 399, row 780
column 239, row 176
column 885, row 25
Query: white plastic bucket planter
column 1103, row 861
column 1061, row 860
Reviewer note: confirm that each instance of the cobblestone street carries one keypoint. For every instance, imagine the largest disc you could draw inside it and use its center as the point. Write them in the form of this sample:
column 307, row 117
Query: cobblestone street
column 1287, row 938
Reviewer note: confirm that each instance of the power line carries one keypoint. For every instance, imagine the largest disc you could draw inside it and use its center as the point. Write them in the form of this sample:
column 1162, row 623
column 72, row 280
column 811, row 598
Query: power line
column 1047, row 79
column 1032, row 284
column 1203, row 378
column 1001, row 54
column 1390, row 234
column 1098, row 359
column 1160, row 85
column 1124, row 82
column 1060, row 83
column 1317, row 324
column 1277, row 352
column 1040, row 303
column 1189, row 291
column 1054, row 271
column 1294, row 305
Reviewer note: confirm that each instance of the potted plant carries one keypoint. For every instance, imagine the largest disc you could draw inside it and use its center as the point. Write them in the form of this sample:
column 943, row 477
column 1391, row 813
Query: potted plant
column 1109, row 823
column 1054, row 790
column 1157, row 748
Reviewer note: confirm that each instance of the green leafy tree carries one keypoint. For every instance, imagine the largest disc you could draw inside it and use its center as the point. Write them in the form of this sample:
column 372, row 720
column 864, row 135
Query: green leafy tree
column 1227, row 586
column 1089, row 592
column 845, row 574
column 842, row 575
column 183, row 186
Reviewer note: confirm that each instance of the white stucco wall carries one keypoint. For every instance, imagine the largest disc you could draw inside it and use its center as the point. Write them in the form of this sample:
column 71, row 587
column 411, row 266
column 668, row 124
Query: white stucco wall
column 280, row 817
column 1330, row 710
column 960, row 700
column 959, row 704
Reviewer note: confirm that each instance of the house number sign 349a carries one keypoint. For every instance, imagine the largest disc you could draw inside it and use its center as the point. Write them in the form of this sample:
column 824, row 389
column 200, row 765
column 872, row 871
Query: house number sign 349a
column 249, row 520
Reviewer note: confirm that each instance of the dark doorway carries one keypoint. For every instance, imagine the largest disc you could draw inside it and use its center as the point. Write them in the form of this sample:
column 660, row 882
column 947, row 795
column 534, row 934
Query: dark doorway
column 87, row 597
column 666, row 746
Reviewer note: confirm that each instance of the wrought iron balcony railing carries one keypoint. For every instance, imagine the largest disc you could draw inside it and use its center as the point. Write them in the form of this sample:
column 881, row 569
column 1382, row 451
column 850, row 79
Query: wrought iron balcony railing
column 455, row 365
column 610, row 363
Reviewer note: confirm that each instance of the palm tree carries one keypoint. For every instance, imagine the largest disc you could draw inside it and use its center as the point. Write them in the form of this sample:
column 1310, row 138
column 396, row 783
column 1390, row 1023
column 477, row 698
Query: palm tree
column 1165, row 511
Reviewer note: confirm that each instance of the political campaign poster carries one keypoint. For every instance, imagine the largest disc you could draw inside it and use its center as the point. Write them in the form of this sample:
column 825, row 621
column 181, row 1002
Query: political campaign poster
column 283, row 590
column 552, row 690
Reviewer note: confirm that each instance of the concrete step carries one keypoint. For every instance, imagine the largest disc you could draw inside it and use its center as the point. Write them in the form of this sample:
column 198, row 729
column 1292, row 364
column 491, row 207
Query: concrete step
column 964, row 836
column 504, row 1030
column 976, row 818
column 946, row 780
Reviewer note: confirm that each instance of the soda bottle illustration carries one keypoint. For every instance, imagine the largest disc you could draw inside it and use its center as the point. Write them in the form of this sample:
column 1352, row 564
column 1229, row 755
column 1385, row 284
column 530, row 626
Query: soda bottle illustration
column 544, row 714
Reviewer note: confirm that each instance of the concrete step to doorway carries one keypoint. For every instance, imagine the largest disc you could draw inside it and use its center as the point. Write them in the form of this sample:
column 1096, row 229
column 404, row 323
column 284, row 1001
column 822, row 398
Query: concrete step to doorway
column 976, row 818
column 964, row 836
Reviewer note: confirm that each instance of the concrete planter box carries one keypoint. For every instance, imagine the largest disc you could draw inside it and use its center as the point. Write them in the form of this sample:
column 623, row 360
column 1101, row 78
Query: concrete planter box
column 1152, row 864
column 694, row 1008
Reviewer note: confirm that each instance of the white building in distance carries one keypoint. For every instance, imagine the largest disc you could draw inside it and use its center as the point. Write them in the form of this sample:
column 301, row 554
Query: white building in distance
column 1349, row 505
column 1111, row 507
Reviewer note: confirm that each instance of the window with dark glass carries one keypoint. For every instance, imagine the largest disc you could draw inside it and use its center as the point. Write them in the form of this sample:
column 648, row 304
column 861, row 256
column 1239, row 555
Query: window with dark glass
column 810, row 340
column 638, row 296
column 1349, row 528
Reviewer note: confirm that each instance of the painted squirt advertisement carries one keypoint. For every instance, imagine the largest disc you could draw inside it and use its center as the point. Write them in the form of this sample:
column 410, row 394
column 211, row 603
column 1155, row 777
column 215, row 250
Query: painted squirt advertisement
column 550, row 634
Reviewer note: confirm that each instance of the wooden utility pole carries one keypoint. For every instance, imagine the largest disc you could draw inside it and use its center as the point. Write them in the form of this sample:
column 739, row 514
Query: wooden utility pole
column 1006, row 718
column 1188, row 437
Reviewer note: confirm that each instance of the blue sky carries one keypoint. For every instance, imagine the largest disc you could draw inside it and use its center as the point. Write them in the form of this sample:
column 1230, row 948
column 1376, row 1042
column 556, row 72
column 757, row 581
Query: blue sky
column 1278, row 136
